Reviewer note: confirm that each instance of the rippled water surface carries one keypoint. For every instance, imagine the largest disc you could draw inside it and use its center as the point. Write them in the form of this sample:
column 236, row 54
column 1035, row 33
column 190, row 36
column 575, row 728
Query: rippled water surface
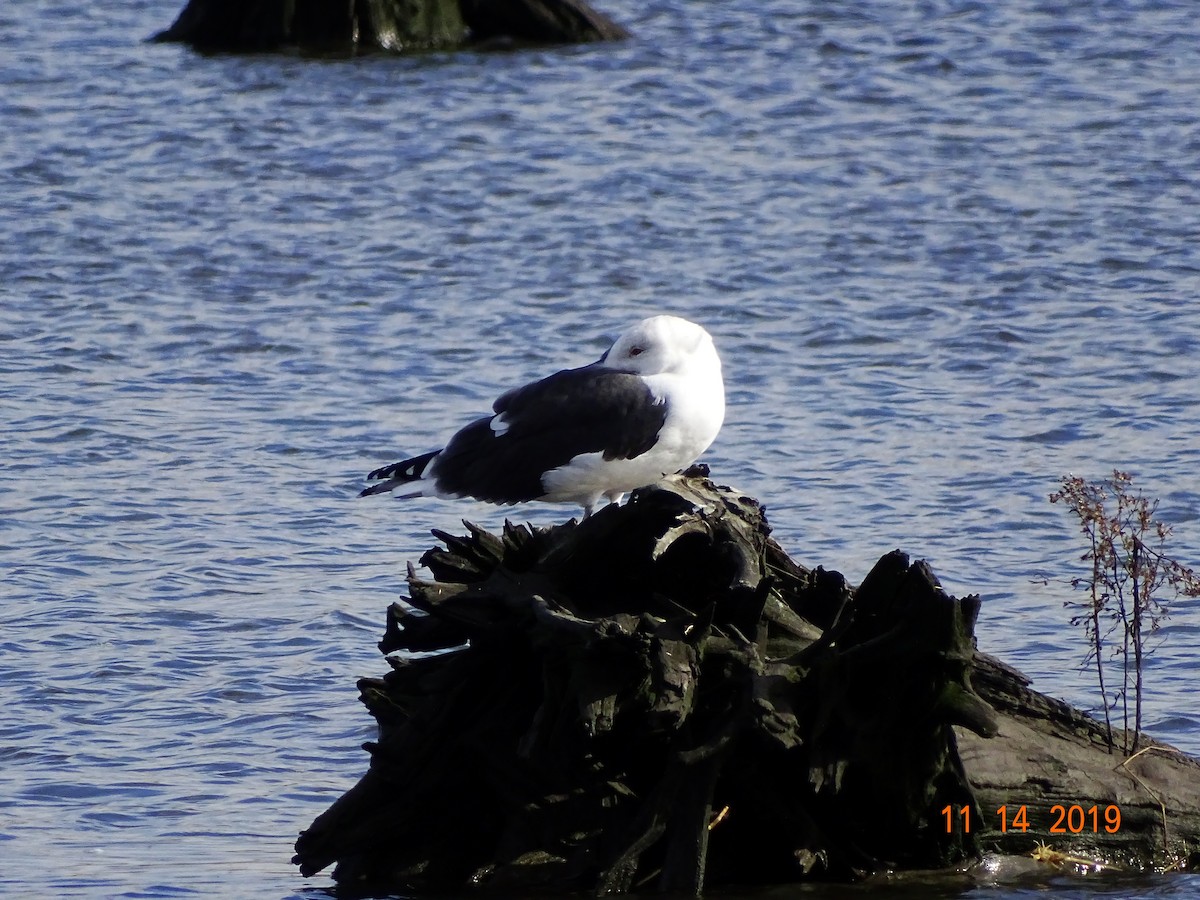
column 950, row 251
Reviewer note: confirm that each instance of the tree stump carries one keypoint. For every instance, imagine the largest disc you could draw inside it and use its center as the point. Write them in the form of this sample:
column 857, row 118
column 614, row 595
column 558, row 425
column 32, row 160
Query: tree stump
column 658, row 698
column 1051, row 765
column 341, row 26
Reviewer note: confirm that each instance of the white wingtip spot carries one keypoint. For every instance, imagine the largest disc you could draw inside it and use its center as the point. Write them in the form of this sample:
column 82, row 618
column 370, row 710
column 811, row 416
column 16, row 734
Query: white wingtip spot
column 498, row 425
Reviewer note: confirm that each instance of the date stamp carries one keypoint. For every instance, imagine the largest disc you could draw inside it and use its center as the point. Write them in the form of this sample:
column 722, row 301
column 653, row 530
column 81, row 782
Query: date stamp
column 1074, row 819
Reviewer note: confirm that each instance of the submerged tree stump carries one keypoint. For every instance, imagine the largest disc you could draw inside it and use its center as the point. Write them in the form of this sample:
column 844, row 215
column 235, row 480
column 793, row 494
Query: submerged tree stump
column 334, row 26
column 657, row 698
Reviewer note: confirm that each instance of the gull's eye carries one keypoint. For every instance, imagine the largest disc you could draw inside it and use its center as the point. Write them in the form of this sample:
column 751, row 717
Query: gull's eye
column 636, row 351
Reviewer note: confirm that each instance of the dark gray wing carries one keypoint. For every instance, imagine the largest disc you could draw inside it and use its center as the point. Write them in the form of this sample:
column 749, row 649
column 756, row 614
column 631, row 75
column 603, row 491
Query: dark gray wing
column 587, row 410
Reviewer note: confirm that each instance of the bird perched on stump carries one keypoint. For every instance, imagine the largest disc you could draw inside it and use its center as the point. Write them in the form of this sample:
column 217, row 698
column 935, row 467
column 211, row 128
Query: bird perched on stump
column 645, row 410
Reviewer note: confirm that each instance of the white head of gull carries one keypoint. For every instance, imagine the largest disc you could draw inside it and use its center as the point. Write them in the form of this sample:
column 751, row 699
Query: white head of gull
column 645, row 410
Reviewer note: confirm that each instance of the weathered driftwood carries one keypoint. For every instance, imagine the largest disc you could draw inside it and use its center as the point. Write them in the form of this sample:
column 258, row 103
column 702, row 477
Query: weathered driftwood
column 339, row 26
column 656, row 698
column 1054, row 761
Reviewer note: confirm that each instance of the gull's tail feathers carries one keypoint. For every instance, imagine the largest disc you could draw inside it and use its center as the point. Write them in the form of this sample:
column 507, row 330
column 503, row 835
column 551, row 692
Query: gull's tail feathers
column 403, row 472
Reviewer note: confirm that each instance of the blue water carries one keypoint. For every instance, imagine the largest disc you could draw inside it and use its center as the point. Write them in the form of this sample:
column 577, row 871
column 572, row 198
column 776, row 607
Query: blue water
column 950, row 252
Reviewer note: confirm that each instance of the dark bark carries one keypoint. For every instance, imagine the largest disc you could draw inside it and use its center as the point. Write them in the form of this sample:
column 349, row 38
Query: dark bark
column 539, row 21
column 1048, row 756
column 236, row 25
column 341, row 26
column 605, row 688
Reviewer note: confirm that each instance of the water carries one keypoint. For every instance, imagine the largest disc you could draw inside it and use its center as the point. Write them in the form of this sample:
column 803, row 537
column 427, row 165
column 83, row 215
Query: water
column 949, row 252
